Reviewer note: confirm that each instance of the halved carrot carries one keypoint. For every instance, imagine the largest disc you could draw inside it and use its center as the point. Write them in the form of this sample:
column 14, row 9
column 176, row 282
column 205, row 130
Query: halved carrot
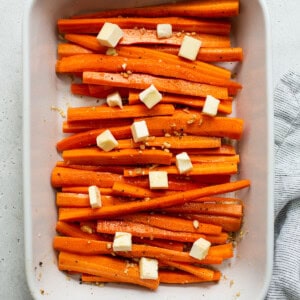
column 224, row 149
column 200, row 8
column 67, row 49
column 143, row 81
column 212, row 158
column 103, row 91
column 160, row 202
column 128, row 111
column 87, row 41
column 96, row 156
column 84, row 190
column 104, row 266
column 94, row 25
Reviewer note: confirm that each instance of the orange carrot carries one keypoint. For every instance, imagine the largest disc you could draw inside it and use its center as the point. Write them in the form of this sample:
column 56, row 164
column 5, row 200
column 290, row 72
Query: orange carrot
column 87, row 41
column 66, row 49
column 225, row 251
column 222, row 150
column 143, row 81
column 88, row 138
column 205, row 168
column 80, row 89
column 96, row 156
column 128, row 111
column 172, row 245
column 214, row 158
column 104, row 266
column 173, row 223
column 94, row 25
column 160, row 202
column 200, row 8
column 103, row 91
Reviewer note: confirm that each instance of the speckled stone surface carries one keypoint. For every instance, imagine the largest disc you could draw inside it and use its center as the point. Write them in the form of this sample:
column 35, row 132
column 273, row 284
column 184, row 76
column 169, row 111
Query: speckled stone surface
column 284, row 19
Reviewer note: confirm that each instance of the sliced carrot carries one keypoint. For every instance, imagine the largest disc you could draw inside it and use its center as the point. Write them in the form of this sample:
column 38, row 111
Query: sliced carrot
column 66, row 49
column 84, row 190
column 172, row 245
column 160, row 202
column 213, row 158
column 104, row 266
column 103, row 91
column 200, row 8
column 173, row 223
column 224, row 149
column 87, row 41
column 96, row 156
column 143, row 81
column 128, row 111
column 94, row 25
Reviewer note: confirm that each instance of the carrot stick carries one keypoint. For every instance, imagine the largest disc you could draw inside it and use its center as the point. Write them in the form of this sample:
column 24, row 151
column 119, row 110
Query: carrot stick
column 93, row 247
column 152, row 66
column 193, row 123
column 104, row 266
column 160, row 202
column 222, row 150
column 225, row 251
column 128, row 111
column 172, row 245
column 96, row 156
column 103, row 91
column 200, row 8
column 203, row 273
column 80, row 89
column 209, row 54
column 173, row 223
column 229, row 224
column 213, row 159
column 88, row 138
column 219, row 209
column 66, row 49
column 143, row 81
column 173, row 277
column 73, row 230
column 205, row 168
column 94, row 25
column 87, row 41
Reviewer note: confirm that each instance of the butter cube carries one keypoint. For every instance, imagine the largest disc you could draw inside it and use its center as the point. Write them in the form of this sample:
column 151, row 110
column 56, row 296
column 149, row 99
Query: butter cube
column 148, row 268
column 211, row 106
column 189, row 48
column 122, row 241
column 106, row 141
column 150, row 96
column 139, row 131
column 114, row 99
column 200, row 248
column 183, row 163
column 94, row 196
column 158, row 180
column 109, row 35
column 164, row 31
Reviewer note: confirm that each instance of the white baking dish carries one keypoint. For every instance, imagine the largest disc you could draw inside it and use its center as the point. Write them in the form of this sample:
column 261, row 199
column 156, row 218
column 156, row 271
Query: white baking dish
column 247, row 276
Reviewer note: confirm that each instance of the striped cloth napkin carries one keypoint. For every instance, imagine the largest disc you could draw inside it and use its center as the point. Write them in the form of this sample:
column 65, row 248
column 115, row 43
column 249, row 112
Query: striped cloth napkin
column 285, row 282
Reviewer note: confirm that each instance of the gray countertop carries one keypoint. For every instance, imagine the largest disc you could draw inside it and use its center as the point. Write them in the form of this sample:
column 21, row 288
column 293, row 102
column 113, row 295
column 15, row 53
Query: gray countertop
column 284, row 19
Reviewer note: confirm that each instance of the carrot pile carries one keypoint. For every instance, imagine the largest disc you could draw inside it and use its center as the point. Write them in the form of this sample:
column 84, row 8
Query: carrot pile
column 163, row 223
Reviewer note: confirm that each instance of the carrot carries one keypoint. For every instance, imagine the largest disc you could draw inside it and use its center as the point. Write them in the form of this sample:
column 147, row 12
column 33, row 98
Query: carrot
column 225, row 251
column 160, row 202
column 94, row 25
column 80, row 89
column 103, row 91
column 225, row 106
column 88, row 138
column 209, row 54
column 198, row 8
column 203, row 273
column 87, row 41
column 173, row 277
column 66, row 49
column 219, row 209
column 73, row 230
column 152, row 66
column 104, row 266
column 224, row 149
column 172, row 245
column 205, row 168
column 193, row 123
column 214, row 158
column 143, row 81
column 229, row 224
column 106, row 112
column 173, row 223
column 96, row 156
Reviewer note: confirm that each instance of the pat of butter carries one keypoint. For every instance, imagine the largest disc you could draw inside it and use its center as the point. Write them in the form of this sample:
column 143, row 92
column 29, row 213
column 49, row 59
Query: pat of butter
column 158, row 180
column 189, row 48
column 150, row 96
column 109, row 35
column 114, row 99
column 106, row 141
column 211, row 106
column 200, row 248
column 164, row 31
column 139, row 131
column 183, row 163
column 148, row 268
column 94, row 196
column 122, row 241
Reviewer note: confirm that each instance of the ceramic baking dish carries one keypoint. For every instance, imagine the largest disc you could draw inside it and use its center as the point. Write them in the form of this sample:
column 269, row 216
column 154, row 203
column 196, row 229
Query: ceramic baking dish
column 247, row 276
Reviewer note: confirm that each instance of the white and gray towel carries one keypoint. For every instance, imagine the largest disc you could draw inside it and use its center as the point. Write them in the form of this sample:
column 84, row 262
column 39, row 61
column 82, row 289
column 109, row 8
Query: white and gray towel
column 285, row 283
